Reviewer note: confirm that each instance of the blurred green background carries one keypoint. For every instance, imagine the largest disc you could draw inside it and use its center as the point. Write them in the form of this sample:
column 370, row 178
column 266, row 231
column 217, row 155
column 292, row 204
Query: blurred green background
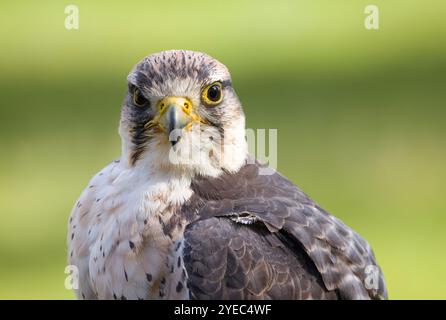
column 360, row 117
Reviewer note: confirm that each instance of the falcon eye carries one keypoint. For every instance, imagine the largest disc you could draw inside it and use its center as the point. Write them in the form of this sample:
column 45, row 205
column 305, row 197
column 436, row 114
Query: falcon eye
column 138, row 98
column 212, row 94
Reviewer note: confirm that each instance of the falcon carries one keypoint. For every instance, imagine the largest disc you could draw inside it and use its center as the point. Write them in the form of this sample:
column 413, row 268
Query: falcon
column 187, row 213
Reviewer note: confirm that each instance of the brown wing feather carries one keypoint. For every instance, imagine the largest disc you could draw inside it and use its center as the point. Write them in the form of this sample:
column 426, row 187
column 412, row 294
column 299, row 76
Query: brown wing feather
column 226, row 260
column 339, row 254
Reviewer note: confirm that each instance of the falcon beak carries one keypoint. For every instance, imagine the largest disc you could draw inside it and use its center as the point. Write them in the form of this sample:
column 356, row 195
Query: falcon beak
column 175, row 113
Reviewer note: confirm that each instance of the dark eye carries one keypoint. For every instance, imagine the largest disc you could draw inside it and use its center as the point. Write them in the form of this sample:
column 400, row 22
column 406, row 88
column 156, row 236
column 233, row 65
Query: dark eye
column 212, row 94
column 138, row 99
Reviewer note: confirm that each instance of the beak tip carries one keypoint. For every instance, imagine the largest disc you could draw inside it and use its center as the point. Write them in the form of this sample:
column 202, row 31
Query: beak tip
column 174, row 142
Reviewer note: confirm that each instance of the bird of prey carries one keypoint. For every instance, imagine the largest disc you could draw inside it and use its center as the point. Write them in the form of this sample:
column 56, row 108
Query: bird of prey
column 187, row 213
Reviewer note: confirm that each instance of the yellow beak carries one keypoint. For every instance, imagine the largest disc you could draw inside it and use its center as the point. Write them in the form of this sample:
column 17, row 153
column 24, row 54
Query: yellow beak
column 175, row 113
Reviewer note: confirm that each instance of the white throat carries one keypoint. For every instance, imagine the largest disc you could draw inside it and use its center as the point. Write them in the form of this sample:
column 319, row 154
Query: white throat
column 201, row 151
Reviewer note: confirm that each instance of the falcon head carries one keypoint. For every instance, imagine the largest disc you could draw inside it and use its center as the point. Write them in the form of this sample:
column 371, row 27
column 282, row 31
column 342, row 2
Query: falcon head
column 182, row 113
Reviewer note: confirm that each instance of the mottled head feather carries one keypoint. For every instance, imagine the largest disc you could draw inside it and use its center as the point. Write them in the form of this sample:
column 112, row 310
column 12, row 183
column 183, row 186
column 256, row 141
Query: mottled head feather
column 157, row 71
column 183, row 73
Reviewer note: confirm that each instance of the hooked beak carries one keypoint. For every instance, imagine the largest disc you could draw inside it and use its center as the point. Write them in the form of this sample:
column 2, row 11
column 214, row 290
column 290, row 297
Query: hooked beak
column 175, row 114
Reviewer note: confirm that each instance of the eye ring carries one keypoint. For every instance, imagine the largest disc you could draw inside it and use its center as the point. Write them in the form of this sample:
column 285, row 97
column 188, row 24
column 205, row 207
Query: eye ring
column 212, row 94
column 138, row 98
